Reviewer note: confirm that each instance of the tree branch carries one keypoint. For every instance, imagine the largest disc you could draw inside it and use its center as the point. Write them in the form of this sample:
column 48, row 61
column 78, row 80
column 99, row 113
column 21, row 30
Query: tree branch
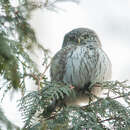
column 111, row 118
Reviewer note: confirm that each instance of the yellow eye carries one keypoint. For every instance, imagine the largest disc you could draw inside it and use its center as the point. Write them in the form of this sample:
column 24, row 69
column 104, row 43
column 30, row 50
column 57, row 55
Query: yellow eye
column 72, row 38
column 85, row 36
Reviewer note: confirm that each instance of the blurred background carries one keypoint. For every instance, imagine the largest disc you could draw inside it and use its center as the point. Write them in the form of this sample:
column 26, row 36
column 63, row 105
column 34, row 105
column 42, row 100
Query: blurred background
column 109, row 19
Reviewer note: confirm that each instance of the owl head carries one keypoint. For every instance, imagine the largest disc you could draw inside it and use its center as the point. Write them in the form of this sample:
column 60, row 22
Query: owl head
column 81, row 36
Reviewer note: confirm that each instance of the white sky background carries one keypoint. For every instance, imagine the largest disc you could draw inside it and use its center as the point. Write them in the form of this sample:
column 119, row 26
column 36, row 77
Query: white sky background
column 109, row 18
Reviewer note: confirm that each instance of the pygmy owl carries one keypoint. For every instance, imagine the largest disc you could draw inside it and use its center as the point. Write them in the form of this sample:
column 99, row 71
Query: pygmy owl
column 80, row 62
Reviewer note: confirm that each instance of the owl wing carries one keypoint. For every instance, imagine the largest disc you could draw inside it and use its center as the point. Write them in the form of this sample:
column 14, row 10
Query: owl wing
column 58, row 63
column 79, row 65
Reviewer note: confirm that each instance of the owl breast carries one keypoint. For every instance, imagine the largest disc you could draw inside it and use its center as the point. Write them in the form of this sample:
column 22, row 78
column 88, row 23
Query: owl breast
column 80, row 65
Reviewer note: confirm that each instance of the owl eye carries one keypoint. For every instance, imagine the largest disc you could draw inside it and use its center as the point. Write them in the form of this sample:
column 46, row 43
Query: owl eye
column 85, row 36
column 72, row 38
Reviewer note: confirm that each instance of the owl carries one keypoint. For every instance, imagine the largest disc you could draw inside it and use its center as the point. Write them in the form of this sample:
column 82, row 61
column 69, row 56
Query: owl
column 80, row 62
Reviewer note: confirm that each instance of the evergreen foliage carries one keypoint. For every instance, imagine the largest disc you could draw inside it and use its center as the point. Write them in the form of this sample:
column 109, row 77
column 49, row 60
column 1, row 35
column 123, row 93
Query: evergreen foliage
column 37, row 102
column 17, row 39
column 110, row 112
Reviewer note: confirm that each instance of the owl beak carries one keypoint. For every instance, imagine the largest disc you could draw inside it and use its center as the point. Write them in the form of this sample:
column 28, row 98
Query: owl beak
column 79, row 40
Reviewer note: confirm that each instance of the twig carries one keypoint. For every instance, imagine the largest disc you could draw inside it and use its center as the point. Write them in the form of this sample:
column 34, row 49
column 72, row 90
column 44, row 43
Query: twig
column 100, row 99
column 42, row 75
column 121, row 96
column 111, row 118
column 38, row 78
column 31, row 75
